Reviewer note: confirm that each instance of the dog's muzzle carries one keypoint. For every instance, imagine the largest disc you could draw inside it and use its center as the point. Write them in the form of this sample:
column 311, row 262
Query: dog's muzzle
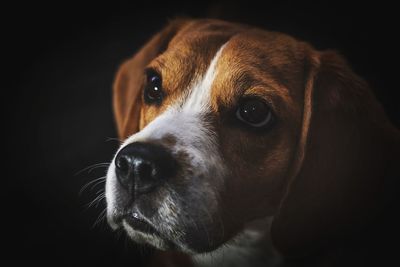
column 163, row 186
column 140, row 168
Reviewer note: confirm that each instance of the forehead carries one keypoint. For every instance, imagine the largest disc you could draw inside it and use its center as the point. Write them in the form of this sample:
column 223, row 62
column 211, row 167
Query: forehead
column 252, row 61
column 269, row 65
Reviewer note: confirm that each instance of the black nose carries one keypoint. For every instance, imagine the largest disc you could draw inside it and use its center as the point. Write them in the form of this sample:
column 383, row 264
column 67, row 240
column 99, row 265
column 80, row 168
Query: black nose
column 141, row 167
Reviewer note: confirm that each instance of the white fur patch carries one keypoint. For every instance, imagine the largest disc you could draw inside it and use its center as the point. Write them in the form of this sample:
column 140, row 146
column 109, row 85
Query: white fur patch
column 111, row 194
column 199, row 98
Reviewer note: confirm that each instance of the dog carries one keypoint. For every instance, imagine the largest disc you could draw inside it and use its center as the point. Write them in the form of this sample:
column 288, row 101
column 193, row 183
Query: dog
column 245, row 147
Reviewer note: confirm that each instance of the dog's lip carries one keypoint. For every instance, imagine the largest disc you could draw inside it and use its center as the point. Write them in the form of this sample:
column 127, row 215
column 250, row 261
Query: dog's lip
column 138, row 223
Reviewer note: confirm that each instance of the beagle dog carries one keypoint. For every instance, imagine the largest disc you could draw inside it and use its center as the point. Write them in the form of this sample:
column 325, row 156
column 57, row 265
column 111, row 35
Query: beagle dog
column 245, row 147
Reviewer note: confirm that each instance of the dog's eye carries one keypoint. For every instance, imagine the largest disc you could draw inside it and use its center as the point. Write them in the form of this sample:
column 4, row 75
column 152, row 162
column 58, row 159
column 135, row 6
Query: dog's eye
column 254, row 112
column 153, row 93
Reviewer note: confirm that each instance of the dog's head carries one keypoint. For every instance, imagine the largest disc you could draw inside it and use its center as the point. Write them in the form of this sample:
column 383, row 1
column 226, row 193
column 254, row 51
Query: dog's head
column 224, row 124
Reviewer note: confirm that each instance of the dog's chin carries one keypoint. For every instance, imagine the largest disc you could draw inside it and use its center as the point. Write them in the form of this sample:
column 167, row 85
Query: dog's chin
column 149, row 236
column 146, row 233
column 142, row 232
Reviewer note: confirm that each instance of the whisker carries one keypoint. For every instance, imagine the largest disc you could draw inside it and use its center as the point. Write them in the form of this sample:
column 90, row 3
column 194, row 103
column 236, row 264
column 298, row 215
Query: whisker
column 100, row 201
column 97, row 183
column 98, row 167
column 91, row 182
column 92, row 167
column 100, row 191
column 97, row 200
column 100, row 218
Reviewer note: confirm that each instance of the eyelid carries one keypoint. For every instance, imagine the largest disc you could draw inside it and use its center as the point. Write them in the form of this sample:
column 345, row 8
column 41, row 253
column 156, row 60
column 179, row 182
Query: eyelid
column 149, row 72
column 259, row 96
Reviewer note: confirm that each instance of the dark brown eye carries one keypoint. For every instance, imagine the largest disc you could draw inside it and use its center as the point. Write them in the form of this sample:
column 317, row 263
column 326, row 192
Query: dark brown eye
column 153, row 93
column 254, row 112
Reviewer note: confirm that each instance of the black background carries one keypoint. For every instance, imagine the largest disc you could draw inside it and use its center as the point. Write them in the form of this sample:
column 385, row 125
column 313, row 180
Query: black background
column 60, row 62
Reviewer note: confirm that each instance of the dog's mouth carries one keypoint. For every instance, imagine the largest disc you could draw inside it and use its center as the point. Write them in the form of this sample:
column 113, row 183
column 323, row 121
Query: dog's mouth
column 142, row 231
column 135, row 221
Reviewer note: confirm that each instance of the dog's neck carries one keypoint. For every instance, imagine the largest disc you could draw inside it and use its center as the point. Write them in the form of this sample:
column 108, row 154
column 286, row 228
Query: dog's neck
column 252, row 247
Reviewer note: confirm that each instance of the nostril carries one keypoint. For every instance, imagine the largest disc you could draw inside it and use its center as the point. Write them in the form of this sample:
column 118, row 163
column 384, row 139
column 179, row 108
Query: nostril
column 122, row 163
column 145, row 170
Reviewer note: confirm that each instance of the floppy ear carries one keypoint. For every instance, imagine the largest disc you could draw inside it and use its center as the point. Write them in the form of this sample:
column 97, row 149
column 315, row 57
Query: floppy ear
column 336, row 183
column 130, row 78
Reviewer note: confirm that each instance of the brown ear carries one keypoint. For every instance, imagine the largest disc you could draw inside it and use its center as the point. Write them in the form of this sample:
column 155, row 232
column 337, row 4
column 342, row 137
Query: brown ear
column 130, row 77
column 336, row 184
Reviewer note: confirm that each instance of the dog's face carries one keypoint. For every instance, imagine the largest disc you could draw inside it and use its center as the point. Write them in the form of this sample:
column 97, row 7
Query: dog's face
column 219, row 115
column 215, row 114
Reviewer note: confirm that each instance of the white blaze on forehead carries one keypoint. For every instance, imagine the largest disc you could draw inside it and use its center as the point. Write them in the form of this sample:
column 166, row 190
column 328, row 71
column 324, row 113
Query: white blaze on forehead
column 199, row 97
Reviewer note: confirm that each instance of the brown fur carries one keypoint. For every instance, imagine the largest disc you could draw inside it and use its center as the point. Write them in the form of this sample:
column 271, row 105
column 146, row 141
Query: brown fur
column 320, row 171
